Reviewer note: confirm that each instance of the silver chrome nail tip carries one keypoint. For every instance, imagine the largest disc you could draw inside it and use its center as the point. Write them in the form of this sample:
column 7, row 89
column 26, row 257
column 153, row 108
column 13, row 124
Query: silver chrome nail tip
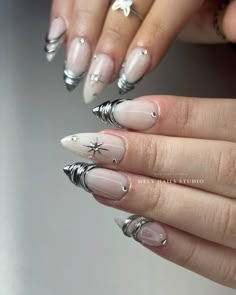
column 96, row 111
column 77, row 173
column 105, row 112
column 71, row 80
column 67, row 170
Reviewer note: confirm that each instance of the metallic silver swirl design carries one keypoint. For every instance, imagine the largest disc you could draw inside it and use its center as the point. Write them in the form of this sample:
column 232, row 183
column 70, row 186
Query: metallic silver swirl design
column 138, row 221
column 125, row 86
column 77, row 173
column 51, row 45
column 71, row 80
column 105, row 112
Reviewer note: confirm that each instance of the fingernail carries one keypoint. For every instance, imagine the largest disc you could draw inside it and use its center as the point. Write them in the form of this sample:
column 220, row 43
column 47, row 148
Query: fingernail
column 143, row 230
column 98, row 77
column 98, row 147
column 77, row 63
column 98, row 181
column 133, row 114
column 55, row 37
column 133, row 70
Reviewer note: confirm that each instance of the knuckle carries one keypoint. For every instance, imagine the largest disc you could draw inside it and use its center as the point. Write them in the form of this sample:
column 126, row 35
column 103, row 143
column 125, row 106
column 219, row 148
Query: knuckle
column 154, row 156
column 113, row 33
column 228, row 272
column 226, row 167
column 188, row 256
column 155, row 29
column 227, row 226
column 83, row 13
column 185, row 119
column 155, row 199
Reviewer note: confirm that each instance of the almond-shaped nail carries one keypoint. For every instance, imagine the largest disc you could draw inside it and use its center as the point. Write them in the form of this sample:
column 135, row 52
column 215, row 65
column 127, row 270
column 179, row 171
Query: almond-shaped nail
column 77, row 63
column 55, row 37
column 143, row 230
column 133, row 70
column 98, row 147
column 132, row 114
column 99, row 75
column 98, row 181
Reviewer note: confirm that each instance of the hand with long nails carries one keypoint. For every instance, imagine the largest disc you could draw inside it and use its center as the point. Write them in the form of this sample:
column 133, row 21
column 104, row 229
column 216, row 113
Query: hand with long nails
column 174, row 168
column 127, row 39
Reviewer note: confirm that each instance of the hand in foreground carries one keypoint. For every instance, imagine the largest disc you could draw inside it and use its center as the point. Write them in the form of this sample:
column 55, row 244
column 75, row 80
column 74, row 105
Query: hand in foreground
column 178, row 170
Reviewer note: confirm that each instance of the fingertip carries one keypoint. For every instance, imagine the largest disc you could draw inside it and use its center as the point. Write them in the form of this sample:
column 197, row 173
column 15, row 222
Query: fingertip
column 229, row 22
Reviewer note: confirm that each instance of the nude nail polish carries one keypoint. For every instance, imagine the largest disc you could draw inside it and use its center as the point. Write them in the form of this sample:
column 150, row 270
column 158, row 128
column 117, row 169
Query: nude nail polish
column 55, row 37
column 98, row 147
column 98, row 181
column 99, row 75
column 132, row 114
column 143, row 230
column 77, row 63
column 133, row 70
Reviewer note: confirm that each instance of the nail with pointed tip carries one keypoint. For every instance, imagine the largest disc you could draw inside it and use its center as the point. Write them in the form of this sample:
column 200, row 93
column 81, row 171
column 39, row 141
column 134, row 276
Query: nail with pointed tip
column 133, row 70
column 143, row 230
column 99, row 75
column 132, row 114
column 98, row 181
column 67, row 170
column 55, row 38
column 98, row 147
column 77, row 63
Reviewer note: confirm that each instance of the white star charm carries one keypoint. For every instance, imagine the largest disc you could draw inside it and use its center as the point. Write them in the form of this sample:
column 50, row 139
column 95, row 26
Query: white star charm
column 125, row 5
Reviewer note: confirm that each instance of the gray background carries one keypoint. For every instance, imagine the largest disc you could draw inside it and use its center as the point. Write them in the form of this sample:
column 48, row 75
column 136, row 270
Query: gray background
column 55, row 239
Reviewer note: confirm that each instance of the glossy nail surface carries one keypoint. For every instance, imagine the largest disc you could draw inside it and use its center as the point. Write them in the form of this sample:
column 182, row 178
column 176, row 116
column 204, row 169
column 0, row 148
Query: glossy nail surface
column 134, row 69
column 55, row 37
column 98, row 77
column 77, row 63
column 133, row 114
column 98, row 181
column 99, row 147
column 150, row 233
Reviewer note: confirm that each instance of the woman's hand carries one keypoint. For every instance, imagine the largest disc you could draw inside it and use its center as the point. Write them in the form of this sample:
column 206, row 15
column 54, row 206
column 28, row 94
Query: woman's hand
column 93, row 28
column 178, row 169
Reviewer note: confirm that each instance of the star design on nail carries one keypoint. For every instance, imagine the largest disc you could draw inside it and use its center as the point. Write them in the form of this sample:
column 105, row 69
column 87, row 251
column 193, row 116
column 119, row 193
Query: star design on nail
column 96, row 147
column 95, row 78
column 124, row 5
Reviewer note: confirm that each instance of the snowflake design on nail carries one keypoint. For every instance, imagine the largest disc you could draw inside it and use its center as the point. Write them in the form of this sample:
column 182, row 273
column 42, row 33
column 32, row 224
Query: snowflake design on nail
column 96, row 147
column 125, row 5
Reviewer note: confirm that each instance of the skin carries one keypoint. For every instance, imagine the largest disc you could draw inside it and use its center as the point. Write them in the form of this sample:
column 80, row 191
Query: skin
column 106, row 34
column 200, row 218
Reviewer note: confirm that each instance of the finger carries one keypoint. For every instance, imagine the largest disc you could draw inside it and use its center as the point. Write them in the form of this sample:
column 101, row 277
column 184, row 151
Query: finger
column 214, row 23
column 159, row 29
column 204, row 164
column 209, row 216
column 216, row 262
column 60, row 16
column 85, row 28
column 117, row 33
column 173, row 116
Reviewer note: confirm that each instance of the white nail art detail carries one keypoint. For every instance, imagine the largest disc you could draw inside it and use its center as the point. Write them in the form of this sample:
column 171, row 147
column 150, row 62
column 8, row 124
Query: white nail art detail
column 98, row 77
column 99, row 147
column 133, row 70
